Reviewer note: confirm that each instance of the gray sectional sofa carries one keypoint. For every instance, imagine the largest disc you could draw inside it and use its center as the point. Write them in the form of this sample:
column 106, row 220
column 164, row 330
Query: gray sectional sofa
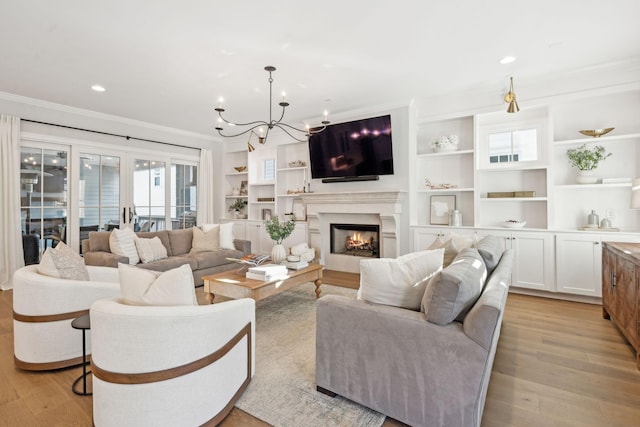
column 397, row 362
column 96, row 251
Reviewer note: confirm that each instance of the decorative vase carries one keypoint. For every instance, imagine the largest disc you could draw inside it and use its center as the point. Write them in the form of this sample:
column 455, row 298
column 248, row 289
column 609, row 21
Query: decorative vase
column 585, row 177
column 278, row 254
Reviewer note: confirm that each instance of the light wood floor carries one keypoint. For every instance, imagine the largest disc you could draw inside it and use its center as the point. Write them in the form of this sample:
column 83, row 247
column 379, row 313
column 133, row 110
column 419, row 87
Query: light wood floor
column 558, row 364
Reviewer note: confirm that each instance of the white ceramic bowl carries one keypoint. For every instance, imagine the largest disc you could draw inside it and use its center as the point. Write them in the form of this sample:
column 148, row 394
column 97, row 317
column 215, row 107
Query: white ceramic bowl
column 514, row 224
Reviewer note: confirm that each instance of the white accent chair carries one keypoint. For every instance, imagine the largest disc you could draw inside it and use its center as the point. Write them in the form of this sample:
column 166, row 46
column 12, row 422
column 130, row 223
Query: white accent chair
column 170, row 366
column 43, row 308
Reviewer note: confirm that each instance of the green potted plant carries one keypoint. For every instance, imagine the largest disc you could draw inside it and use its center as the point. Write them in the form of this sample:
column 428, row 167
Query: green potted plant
column 278, row 231
column 586, row 160
column 237, row 207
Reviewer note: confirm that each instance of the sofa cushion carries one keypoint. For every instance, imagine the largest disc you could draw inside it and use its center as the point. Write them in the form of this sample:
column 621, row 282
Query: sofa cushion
column 150, row 249
column 146, row 287
column 490, row 249
column 205, row 241
column 64, row 263
column 401, row 281
column 99, row 241
column 163, row 235
column 226, row 233
column 171, row 262
column 213, row 259
column 122, row 242
column 180, row 241
column 453, row 291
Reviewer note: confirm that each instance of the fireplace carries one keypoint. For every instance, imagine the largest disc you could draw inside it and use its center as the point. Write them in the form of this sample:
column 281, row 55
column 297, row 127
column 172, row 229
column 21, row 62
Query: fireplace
column 355, row 240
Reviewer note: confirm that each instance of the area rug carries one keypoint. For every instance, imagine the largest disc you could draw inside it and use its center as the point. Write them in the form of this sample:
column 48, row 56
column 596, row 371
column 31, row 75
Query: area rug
column 283, row 391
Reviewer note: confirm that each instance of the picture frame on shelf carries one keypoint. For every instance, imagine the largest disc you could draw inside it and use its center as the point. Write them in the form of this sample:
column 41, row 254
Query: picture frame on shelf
column 440, row 207
column 299, row 210
column 244, row 188
column 266, row 214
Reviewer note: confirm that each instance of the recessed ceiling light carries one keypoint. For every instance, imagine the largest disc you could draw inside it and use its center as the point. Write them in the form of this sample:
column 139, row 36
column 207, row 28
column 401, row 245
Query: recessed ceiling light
column 507, row 59
column 98, row 88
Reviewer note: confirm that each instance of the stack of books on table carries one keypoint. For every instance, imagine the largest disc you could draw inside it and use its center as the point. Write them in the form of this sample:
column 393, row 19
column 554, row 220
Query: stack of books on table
column 296, row 265
column 267, row 272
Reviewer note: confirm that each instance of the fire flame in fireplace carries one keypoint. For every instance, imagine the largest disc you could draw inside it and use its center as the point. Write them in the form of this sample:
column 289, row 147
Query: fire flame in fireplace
column 355, row 241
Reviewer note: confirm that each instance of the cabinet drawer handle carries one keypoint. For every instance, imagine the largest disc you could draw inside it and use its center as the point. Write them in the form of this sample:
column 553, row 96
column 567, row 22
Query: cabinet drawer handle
column 596, row 243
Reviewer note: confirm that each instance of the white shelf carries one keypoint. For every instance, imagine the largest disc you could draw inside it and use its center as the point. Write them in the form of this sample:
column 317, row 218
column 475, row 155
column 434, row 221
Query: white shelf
column 296, row 168
column 444, row 154
column 592, row 140
column 592, row 186
column 512, row 199
column 447, row 190
column 229, row 196
column 290, row 195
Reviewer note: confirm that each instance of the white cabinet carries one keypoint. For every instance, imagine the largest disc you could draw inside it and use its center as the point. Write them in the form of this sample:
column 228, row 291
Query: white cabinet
column 533, row 262
column 261, row 243
column 579, row 264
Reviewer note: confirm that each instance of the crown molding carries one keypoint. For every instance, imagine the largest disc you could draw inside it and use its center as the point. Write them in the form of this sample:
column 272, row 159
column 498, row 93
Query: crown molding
column 52, row 106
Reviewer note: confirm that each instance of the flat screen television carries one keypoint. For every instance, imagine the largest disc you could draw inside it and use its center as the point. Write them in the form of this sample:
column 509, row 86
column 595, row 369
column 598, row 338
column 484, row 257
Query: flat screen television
column 355, row 150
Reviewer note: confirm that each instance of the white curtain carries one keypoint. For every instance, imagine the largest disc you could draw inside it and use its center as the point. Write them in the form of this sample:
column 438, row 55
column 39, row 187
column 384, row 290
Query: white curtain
column 11, row 257
column 205, row 188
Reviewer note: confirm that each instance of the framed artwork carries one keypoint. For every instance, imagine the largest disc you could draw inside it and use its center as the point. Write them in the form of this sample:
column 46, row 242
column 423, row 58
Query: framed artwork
column 243, row 188
column 440, row 208
column 299, row 210
column 266, row 214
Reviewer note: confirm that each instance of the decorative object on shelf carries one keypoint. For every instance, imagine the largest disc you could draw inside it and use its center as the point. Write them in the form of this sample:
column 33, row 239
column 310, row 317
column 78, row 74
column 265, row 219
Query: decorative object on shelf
column 445, row 143
column 586, row 159
column 593, row 220
column 455, row 218
column 510, row 97
column 297, row 191
column 514, row 223
column 509, row 194
column 278, row 231
column 605, row 223
column 596, row 133
column 440, row 208
column 262, row 135
column 240, row 168
column 266, row 214
column 235, row 191
column 266, row 199
column 443, row 186
column 297, row 164
column 299, row 210
column 244, row 188
column 237, row 208
column 635, row 194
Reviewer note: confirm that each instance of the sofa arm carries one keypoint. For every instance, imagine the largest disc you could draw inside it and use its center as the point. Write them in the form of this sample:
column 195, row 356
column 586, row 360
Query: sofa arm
column 393, row 361
column 104, row 259
column 243, row 245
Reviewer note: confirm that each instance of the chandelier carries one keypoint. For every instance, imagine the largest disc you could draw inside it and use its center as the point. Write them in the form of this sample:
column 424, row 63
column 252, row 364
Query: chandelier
column 258, row 125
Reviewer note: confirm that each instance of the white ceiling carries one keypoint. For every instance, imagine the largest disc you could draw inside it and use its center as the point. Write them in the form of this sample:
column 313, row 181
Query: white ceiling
column 167, row 62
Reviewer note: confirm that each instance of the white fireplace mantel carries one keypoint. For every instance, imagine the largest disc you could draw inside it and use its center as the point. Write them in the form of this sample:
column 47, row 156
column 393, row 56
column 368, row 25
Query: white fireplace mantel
column 381, row 207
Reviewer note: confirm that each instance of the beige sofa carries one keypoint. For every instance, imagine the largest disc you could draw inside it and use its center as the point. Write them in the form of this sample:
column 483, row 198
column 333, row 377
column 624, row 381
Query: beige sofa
column 96, row 251
column 397, row 362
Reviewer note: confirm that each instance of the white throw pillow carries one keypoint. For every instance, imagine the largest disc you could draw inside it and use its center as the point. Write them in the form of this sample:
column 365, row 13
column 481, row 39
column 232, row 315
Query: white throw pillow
column 150, row 249
column 226, row 234
column 122, row 242
column 205, row 241
column 140, row 286
column 64, row 263
column 399, row 282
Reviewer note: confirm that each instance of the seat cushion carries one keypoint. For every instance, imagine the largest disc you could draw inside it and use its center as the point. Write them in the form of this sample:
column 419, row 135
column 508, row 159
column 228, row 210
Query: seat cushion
column 171, row 262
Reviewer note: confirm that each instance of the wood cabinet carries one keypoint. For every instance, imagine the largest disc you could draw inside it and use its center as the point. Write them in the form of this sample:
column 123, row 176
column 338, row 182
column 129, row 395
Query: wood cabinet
column 620, row 293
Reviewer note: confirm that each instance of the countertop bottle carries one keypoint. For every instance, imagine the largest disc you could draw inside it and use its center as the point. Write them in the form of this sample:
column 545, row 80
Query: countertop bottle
column 593, row 220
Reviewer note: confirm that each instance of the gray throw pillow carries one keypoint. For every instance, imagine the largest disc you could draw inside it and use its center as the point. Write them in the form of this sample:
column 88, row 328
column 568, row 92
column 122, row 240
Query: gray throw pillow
column 451, row 293
column 490, row 249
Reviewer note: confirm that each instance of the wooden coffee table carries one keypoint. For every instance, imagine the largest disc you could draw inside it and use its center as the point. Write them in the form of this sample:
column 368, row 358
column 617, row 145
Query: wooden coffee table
column 235, row 285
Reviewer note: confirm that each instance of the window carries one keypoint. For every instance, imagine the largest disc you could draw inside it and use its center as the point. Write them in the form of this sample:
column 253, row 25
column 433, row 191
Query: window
column 184, row 180
column 514, row 146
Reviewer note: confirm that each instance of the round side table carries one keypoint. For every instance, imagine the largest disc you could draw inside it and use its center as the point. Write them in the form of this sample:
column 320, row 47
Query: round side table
column 83, row 323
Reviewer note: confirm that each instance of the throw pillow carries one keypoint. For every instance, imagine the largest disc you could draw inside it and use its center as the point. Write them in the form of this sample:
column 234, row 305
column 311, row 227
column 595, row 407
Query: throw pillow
column 150, row 249
column 226, row 234
column 122, row 242
column 401, row 281
column 450, row 250
column 140, row 286
column 64, row 263
column 453, row 291
column 490, row 249
column 205, row 241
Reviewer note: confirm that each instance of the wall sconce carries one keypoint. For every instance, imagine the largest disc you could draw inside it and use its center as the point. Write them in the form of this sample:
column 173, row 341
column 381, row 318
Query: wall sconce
column 510, row 97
